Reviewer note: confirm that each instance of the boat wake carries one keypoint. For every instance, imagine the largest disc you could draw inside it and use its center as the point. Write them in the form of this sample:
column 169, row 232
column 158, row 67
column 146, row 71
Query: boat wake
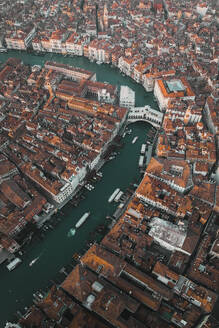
column 71, row 232
column 35, row 260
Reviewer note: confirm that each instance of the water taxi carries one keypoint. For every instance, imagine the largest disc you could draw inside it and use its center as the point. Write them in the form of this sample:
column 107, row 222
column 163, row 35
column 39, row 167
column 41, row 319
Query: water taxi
column 82, row 220
column 134, row 140
column 34, row 261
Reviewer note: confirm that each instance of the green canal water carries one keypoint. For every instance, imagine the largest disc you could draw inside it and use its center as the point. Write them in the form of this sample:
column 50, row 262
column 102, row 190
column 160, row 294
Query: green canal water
column 56, row 249
column 104, row 72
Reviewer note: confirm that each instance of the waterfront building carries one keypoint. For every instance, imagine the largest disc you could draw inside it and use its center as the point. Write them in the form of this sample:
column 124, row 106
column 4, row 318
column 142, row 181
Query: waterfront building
column 148, row 79
column 168, row 89
column 139, row 71
column 126, row 65
column 56, row 191
column 161, row 195
column 175, row 173
column 127, row 97
column 37, row 45
column 20, row 39
column 75, row 73
column 2, row 45
column 75, row 44
column 57, row 41
column 45, row 42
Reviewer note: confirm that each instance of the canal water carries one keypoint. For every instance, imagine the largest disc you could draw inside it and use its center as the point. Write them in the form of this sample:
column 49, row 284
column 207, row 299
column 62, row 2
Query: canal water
column 104, row 72
column 56, row 249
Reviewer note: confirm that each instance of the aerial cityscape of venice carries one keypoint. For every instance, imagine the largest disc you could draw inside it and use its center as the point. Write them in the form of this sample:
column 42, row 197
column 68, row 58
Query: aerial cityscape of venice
column 109, row 163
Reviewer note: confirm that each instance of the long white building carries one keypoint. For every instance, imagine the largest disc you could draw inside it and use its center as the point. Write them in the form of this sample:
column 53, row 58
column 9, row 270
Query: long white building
column 127, row 97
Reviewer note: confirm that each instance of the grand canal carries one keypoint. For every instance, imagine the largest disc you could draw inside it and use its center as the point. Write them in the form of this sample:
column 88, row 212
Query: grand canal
column 56, row 249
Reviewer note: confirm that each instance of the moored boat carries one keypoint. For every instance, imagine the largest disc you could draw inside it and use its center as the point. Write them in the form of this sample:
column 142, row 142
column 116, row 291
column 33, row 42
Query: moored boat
column 113, row 195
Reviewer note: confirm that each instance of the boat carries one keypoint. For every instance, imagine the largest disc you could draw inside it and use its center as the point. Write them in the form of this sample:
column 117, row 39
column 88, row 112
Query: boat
column 36, row 68
column 13, row 264
column 82, row 220
column 34, row 261
column 112, row 157
column 71, row 232
column 89, row 187
column 141, row 161
column 118, row 196
column 113, row 195
column 134, row 140
column 143, row 148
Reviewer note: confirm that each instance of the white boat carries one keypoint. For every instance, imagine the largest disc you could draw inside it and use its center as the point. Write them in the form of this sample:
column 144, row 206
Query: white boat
column 118, row 196
column 134, row 140
column 89, row 187
column 141, row 161
column 14, row 263
column 113, row 195
column 82, row 220
column 112, row 157
column 143, row 148
column 34, row 261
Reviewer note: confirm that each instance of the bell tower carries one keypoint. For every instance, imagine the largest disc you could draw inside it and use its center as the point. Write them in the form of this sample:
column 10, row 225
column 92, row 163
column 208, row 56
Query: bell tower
column 105, row 17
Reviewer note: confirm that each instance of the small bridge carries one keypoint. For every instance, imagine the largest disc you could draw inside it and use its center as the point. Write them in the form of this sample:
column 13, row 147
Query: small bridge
column 146, row 114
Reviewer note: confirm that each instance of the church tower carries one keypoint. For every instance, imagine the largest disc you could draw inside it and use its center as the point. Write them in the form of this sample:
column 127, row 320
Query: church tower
column 105, row 17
